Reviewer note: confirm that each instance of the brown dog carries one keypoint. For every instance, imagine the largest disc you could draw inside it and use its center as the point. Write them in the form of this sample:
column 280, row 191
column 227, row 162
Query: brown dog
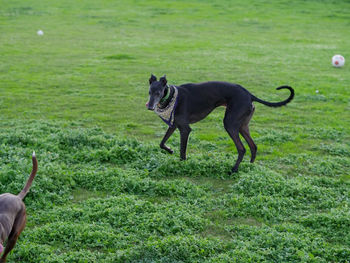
column 13, row 214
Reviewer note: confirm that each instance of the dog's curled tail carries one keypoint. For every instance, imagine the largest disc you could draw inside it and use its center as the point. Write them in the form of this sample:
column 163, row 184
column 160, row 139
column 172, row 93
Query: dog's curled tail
column 25, row 190
column 277, row 104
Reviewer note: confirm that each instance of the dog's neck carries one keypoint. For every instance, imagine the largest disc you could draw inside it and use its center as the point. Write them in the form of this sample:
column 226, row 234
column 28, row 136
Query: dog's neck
column 168, row 95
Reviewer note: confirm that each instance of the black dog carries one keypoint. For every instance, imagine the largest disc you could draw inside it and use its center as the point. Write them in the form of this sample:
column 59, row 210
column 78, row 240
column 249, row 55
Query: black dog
column 182, row 105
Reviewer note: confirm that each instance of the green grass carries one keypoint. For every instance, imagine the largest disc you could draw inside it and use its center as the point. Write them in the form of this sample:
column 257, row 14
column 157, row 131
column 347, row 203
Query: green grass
column 105, row 192
column 99, row 198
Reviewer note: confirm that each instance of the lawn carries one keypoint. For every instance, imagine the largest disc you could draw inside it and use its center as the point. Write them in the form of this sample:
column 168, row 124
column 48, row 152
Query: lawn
column 105, row 192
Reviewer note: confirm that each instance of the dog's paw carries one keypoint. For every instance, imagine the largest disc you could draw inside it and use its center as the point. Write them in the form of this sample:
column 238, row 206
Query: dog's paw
column 167, row 149
column 234, row 170
column 170, row 151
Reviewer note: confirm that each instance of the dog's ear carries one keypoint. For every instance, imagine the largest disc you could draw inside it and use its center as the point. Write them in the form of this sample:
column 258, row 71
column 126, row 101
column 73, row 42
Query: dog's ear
column 163, row 80
column 152, row 78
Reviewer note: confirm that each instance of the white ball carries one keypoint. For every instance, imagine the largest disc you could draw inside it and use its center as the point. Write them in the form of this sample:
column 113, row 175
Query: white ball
column 338, row 61
column 40, row 32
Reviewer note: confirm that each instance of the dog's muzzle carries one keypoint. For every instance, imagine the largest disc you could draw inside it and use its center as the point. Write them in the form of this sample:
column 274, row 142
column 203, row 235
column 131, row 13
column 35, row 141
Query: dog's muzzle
column 148, row 107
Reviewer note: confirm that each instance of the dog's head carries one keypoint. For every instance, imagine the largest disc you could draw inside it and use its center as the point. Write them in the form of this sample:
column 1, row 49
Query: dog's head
column 156, row 91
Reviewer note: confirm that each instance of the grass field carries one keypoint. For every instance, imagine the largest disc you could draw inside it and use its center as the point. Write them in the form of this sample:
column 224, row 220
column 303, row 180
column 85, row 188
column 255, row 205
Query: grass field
column 105, row 192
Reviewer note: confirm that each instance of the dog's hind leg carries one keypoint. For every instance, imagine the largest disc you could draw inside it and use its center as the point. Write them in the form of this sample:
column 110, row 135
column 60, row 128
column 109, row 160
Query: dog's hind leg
column 232, row 125
column 244, row 130
column 17, row 228
column 167, row 135
column 184, row 133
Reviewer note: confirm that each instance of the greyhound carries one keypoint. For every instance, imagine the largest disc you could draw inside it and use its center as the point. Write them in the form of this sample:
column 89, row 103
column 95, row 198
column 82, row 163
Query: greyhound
column 180, row 106
column 13, row 214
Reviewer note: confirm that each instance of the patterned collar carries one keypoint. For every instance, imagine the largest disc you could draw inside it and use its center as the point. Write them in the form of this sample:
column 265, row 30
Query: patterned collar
column 166, row 110
column 168, row 91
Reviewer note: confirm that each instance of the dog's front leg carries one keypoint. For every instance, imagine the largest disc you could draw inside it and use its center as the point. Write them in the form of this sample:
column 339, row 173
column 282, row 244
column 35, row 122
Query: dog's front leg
column 184, row 133
column 167, row 135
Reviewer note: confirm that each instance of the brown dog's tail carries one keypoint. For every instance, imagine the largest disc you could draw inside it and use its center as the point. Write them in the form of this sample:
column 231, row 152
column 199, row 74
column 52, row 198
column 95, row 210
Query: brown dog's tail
column 277, row 104
column 25, row 190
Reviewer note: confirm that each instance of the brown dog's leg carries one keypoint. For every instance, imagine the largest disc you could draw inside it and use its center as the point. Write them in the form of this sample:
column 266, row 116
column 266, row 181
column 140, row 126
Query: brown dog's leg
column 184, row 133
column 167, row 135
column 17, row 228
